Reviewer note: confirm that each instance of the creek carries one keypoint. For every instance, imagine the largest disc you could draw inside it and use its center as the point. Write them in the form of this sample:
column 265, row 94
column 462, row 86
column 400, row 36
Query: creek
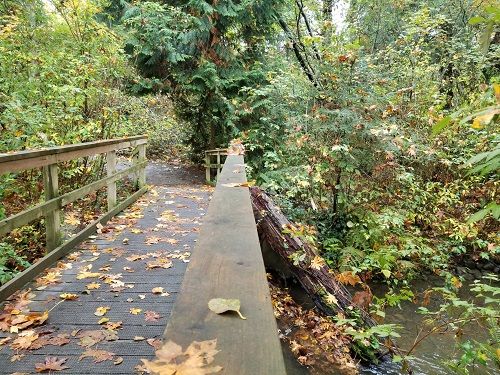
column 429, row 355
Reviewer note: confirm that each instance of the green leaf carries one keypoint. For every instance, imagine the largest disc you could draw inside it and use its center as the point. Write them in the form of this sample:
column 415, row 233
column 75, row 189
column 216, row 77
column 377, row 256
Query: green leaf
column 476, row 20
column 386, row 273
column 440, row 125
column 479, row 215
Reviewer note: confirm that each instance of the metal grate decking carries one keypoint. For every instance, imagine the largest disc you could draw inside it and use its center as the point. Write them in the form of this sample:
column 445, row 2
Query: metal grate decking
column 163, row 225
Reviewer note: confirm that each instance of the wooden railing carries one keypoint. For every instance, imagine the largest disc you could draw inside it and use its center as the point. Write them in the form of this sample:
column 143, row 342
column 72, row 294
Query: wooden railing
column 51, row 208
column 209, row 165
column 227, row 263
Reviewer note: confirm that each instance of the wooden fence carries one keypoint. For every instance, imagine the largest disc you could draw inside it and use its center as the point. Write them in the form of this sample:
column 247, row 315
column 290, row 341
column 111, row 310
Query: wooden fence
column 51, row 208
column 209, row 165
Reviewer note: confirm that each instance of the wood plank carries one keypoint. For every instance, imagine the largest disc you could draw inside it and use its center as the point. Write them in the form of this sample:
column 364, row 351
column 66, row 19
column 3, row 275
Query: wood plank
column 19, row 161
column 227, row 263
column 24, row 217
column 28, row 274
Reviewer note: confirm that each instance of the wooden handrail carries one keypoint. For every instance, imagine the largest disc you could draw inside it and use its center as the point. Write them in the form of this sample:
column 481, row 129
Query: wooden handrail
column 51, row 208
column 227, row 263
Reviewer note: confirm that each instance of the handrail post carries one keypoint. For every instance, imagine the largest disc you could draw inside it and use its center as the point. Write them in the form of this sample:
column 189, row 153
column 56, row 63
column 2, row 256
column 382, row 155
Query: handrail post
column 141, row 158
column 111, row 167
column 52, row 219
column 219, row 166
column 207, row 166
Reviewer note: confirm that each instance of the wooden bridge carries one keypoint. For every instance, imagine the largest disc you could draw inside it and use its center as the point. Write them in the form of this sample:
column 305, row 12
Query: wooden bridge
column 103, row 304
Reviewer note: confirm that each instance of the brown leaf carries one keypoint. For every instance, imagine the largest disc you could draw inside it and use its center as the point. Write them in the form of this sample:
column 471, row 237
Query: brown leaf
column 51, row 364
column 348, row 278
column 25, row 341
column 155, row 343
column 170, row 359
column 98, row 355
column 152, row 316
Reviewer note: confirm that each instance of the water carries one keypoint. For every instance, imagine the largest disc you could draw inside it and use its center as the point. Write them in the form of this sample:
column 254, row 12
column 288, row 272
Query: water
column 429, row 355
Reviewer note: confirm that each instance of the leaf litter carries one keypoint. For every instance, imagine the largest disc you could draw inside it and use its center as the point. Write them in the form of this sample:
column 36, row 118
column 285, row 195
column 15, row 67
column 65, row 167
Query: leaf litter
column 16, row 317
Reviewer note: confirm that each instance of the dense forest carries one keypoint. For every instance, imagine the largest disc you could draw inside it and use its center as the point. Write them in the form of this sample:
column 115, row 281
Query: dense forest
column 373, row 124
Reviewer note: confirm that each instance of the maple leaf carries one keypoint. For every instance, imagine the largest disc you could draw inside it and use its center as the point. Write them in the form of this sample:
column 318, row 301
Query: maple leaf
column 24, row 341
column 331, row 299
column 152, row 316
column 98, row 355
column 155, row 343
column 71, row 219
column 113, row 326
column 92, row 286
column 170, row 359
column 50, row 279
column 60, row 340
column 51, row 364
column 317, row 263
column 347, row 277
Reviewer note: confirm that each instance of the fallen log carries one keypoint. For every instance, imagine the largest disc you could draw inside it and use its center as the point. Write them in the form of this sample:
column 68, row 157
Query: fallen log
column 303, row 261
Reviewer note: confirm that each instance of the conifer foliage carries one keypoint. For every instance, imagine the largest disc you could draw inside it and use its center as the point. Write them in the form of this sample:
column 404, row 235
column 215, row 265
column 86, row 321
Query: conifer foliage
column 202, row 53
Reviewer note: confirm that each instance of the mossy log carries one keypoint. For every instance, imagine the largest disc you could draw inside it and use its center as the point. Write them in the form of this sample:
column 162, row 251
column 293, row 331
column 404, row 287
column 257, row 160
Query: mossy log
column 304, row 261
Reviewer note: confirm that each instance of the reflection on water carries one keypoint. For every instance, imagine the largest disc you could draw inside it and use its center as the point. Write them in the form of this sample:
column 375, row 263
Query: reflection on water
column 428, row 355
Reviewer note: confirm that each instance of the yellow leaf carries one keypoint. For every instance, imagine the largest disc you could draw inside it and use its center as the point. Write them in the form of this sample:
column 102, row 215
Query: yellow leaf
column 68, row 296
column 386, row 273
column 496, row 88
column 103, row 320
column 101, row 310
column 317, row 263
column 135, row 311
column 331, row 300
column 93, row 286
column 476, row 124
column 456, row 282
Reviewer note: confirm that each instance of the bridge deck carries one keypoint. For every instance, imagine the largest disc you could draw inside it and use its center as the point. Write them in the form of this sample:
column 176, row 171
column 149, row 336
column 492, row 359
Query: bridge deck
column 126, row 262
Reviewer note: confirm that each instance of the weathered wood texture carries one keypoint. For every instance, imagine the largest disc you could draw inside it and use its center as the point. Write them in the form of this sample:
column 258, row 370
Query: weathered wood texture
column 318, row 280
column 227, row 263
column 209, row 155
column 51, row 208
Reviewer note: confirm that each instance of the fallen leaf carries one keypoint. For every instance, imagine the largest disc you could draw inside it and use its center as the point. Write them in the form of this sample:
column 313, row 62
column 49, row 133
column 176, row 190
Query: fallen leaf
column 103, row 320
column 155, row 343
column 92, row 286
column 157, row 290
column 118, row 361
column 69, row 296
column 221, row 305
column 152, row 316
column 113, row 326
column 51, row 364
column 139, row 338
column 100, row 311
column 25, row 341
column 135, row 311
column 170, row 359
column 17, row 357
column 98, row 355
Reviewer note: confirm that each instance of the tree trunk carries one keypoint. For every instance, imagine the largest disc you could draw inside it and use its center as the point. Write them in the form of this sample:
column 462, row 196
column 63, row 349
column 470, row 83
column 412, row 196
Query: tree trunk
column 303, row 261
